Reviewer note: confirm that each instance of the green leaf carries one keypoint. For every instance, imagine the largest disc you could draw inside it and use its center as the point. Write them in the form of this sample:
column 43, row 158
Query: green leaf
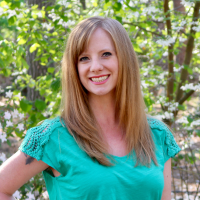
column 188, row 69
column 197, row 132
column 137, row 48
column 49, row 77
column 24, row 63
column 34, row 47
column 117, row 6
column 181, row 107
column 21, row 41
column 52, row 51
column 51, row 69
column 55, row 85
column 190, row 119
column 25, row 105
column 40, row 104
column 12, row 20
column 119, row 19
column 9, row 143
column 1, row 63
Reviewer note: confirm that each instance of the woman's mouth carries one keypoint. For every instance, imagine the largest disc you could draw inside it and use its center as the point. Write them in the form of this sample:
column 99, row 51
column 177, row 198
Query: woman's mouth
column 99, row 79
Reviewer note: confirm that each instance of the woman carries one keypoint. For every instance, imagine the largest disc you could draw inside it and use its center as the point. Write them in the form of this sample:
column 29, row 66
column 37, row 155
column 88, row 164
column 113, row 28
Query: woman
column 103, row 146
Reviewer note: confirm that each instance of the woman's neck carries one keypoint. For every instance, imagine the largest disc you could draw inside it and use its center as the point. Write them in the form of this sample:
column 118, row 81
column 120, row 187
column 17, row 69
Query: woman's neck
column 103, row 108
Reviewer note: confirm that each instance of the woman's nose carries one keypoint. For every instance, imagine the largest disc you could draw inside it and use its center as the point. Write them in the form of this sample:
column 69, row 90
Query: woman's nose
column 96, row 66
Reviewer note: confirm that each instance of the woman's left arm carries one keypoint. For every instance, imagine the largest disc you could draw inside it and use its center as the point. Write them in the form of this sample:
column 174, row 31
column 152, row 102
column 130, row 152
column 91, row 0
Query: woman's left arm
column 166, row 195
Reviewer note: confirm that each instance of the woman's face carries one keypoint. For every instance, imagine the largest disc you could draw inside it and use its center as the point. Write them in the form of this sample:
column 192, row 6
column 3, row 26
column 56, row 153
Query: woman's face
column 98, row 64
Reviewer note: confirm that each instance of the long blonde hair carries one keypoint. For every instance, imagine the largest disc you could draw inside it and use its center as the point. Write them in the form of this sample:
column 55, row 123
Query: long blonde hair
column 130, row 105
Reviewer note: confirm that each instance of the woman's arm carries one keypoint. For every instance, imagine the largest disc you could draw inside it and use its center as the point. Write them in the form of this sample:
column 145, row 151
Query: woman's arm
column 167, row 178
column 16, row 171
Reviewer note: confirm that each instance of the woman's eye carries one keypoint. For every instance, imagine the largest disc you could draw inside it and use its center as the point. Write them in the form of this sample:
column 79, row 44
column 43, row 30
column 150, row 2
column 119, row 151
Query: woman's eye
column 106, row 54
column 83, row 58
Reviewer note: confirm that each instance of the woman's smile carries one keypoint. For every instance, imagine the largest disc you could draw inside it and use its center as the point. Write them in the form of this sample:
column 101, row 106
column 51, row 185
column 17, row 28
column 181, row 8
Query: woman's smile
column 99, row 79
column 98, row 64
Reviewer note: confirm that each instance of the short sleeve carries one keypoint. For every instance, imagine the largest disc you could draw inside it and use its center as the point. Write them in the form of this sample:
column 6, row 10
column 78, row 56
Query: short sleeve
column 169, row 145
column 36, row 142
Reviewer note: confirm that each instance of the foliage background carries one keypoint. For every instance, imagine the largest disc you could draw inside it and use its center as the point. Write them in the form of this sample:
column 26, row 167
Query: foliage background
column 165, row 35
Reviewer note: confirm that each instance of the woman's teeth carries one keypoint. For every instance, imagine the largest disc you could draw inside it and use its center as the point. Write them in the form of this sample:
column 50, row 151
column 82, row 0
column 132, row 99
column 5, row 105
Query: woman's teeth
column 100, row 79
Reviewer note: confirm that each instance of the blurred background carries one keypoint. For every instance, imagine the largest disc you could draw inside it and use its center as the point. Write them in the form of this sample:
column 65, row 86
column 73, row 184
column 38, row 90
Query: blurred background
column 166, row 37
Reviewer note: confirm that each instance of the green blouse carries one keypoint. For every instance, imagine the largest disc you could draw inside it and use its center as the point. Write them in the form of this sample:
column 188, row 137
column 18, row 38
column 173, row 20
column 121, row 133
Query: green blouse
column 84, row 179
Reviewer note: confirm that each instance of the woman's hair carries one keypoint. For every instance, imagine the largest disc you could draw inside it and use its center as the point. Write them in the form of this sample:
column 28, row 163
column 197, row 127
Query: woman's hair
column 130, row 107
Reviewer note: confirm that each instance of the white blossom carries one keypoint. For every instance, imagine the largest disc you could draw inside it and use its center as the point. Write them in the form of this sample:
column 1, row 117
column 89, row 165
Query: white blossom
column 11, row 13
column 20, row 127
column 190, row 86
column 181, row 39
column 15, row 113
column 193, row 23
column 184, row 22
column 45, row 195
column 149, row 10
column 7, row 115
column 39, row 14
column 53, row 15
column 165, row 53
column 178, row 69
column 61, row 22
column 9, row 123
column 1, row 126
column 20, row 15
column 21, row 115
column 64, row 3
column 47, row 26
column 173, row 106
column 182, row 120
column 168, row 115
column 1, row 11
column 19, row 94
column 160, row 19
column 186, row 3
column 196, row 28
column 151, row 61
column 196, row 123
column 30, row 196
column 17, row 195
column 3, row 157
column 159, row 117
column 167, row 42
column 9, row 94
column 136, row 14
column 3, row 137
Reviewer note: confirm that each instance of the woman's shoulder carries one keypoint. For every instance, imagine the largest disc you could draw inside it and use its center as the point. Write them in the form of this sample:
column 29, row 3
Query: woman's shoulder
column 159, row 128
column 155, row 123
column 37, row 137
column 48, row 125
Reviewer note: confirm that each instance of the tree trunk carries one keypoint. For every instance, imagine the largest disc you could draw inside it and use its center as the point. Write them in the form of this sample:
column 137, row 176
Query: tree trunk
column 83, row 4
column 35, row 69
column 170, row 80
column 188, row 55
column 179, row 8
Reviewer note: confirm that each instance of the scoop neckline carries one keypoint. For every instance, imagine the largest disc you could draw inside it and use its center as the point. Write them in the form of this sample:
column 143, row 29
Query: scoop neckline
column 120, row 157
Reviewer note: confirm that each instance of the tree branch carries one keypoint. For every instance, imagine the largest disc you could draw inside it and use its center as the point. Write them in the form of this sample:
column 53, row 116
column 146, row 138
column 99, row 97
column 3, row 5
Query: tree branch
column 134, row 24
column 170, row 80
column 188, row 56
column 186, row 96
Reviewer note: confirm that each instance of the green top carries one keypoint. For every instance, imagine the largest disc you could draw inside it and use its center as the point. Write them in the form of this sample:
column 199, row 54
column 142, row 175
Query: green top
column 84, row 179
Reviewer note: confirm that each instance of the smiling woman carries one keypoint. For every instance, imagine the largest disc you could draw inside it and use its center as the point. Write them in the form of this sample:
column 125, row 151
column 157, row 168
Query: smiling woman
column 103, row 146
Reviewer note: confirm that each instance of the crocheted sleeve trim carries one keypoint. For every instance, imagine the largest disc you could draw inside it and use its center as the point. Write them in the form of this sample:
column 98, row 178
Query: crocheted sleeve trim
column 172, row 147
column 37, row 137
